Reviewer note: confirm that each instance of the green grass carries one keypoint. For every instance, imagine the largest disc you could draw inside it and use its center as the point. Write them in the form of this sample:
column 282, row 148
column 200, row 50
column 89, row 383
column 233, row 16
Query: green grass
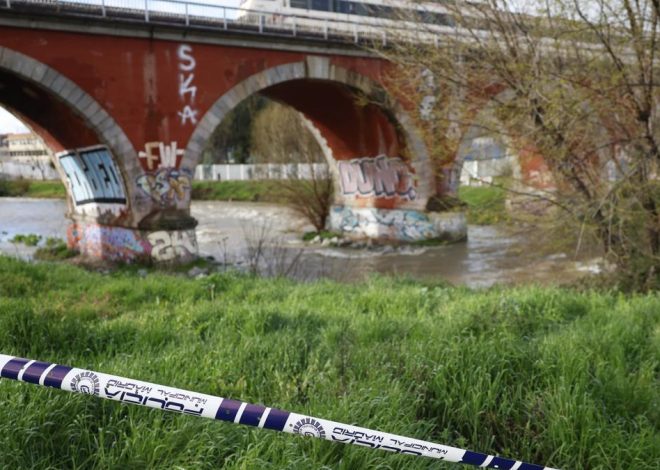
column 547, row 375
column 54, row 249
column 486, row 204
column 31, row 239
column 249, row 191
column 37, row 189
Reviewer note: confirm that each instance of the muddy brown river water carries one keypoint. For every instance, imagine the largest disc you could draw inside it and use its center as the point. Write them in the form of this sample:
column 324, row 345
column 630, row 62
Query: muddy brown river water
column 232, row 232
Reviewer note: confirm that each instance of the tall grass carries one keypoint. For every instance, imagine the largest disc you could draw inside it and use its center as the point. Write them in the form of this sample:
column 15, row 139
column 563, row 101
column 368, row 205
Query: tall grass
column 485, row 204
column 246, row 191
column 546, row 375
column 31, row 188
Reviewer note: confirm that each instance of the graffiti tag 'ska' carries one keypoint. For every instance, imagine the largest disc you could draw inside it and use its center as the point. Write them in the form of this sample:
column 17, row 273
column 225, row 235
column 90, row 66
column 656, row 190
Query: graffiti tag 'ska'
column 187, row 91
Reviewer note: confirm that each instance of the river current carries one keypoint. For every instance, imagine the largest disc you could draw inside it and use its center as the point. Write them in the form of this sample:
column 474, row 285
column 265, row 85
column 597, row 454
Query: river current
column 268, row 236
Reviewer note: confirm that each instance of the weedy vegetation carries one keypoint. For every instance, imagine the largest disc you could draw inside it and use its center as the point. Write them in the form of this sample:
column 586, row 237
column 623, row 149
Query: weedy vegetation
column 28, row 188
column 548, row 375
column 31, row 239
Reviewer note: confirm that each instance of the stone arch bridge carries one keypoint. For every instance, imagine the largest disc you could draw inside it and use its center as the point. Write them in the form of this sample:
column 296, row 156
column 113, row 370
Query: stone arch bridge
column 128, row 107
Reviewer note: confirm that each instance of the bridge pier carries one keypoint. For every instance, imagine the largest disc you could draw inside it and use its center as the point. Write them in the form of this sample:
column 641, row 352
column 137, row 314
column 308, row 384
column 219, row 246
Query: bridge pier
column 127, row 245
column 399, row 225
column 129, row 113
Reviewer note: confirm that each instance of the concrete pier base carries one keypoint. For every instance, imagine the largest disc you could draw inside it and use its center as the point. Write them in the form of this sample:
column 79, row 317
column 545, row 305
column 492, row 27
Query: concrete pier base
column 126, row 245
column 397, row 224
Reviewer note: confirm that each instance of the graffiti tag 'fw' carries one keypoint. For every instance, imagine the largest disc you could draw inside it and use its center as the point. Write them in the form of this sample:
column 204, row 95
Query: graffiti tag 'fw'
column 197, row 404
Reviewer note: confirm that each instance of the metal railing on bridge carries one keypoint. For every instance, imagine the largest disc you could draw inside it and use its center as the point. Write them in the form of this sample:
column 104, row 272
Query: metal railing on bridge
column 196, row 14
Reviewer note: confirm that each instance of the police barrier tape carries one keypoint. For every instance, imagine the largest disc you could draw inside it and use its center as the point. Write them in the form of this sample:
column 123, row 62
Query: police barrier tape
column 127, row 390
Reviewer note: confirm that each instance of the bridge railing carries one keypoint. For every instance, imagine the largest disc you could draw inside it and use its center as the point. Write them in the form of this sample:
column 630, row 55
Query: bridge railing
column 185, row 13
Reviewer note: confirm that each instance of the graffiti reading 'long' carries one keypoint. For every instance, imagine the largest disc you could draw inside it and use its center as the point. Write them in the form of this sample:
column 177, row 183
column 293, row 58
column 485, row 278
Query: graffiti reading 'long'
column 380, row 177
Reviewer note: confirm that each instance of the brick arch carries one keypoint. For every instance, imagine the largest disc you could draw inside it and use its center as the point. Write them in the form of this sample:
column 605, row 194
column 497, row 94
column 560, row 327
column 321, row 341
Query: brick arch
column 318, row 69
column 73, row 98
column 499, row 96
column 531, row 171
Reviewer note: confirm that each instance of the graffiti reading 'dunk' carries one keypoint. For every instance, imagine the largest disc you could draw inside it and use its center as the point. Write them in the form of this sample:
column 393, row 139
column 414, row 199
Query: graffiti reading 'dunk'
column 380, row 177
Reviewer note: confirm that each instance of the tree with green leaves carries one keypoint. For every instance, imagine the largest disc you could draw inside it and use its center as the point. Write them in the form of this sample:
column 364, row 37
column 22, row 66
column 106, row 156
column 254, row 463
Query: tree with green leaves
column 576, row 82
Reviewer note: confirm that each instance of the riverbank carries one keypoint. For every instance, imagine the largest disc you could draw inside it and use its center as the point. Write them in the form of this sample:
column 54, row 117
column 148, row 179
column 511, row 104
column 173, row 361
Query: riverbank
column 484, row 205
column 545, row 375
column 232, row 232
column 239, row 191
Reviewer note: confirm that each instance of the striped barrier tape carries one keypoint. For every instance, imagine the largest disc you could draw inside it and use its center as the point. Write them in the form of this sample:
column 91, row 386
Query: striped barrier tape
column 127, row 390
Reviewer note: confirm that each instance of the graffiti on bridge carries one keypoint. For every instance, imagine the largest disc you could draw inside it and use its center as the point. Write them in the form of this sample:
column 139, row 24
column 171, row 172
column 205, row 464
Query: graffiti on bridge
column 166, row 185
column 92, row 176
column 389, row 224
column 105, row 242
column 167, row 246
column 159, row 154
column 380, row 177
column 187, row 90
column 164, row 182
column 128, row 245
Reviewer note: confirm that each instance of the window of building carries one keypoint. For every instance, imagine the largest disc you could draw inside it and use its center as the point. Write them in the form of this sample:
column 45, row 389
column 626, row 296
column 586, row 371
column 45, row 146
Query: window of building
column 299, row 4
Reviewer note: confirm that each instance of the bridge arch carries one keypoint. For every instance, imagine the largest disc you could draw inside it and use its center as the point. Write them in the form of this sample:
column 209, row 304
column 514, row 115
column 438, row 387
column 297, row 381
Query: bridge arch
column 529, row 170
column 62, row 114
column 320, row 76
column 94, row 116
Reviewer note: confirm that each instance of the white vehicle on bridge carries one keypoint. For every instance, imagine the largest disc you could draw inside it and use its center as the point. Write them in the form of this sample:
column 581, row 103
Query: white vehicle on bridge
column 373, row 18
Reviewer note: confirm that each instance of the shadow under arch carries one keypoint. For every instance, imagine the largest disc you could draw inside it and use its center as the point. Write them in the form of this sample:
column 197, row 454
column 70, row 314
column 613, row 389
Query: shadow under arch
column 62, row 113
column 317, row 70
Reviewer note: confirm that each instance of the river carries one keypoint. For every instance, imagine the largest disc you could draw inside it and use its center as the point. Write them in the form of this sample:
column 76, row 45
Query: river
column 268, row 236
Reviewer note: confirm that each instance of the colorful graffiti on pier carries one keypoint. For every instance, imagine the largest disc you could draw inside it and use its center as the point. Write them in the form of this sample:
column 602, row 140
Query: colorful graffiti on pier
column 163, row 181
column 119, row 244
column 385, row 224
column 166, row 186
column 380, row 177
column 107, row 242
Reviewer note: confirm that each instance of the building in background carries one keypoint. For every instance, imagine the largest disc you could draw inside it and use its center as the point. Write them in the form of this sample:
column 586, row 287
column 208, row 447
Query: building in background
column 484, row 158
column 25, row 156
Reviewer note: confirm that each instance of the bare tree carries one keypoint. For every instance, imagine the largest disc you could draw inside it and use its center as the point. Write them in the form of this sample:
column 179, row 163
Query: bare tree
column 281, row 135
column 575, row 82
